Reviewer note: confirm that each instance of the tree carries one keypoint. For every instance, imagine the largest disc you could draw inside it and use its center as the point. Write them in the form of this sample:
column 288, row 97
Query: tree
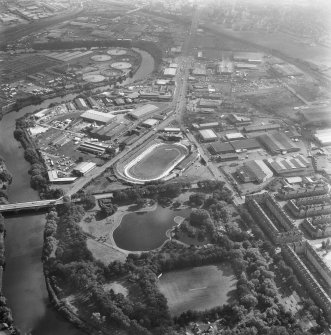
column 88, row 200
column 197, row 199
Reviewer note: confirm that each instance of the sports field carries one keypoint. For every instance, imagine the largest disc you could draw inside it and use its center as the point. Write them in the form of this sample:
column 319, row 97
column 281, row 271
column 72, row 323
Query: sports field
column 156, row 162
column 197, row 288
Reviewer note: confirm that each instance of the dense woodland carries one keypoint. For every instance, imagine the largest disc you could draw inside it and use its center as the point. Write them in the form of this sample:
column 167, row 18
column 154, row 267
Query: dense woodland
column 5, row 181
column 254, row 309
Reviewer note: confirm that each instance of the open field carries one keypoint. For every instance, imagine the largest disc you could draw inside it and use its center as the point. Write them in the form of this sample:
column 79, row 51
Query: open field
column 156, row 162
column 197, row 288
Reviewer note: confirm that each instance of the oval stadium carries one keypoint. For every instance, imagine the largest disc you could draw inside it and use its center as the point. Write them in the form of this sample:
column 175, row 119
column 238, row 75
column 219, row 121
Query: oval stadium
column 156, row 162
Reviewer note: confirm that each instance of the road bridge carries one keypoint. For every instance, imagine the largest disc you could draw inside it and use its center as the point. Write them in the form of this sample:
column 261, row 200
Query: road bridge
column 30, row 205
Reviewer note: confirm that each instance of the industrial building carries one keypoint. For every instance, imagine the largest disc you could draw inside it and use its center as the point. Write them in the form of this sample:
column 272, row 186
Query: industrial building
column 254, row 171
column 109, row 131
column 92, row 148
column 81, row 104
column 82, row 168
column 234, row 136
column 54, row 179
column 143, row 112
column 208, row 103
column 250, row 57
column 225, row 67
column 150, row 123
column 245, row 145
column 208, row 125
column 239, row 120
column 323, row 136
column 292, row 166
column 169, row 72
column 262, row 127
column 277, row 143
column 219, row 148
column 207, row 135
column 98, row 117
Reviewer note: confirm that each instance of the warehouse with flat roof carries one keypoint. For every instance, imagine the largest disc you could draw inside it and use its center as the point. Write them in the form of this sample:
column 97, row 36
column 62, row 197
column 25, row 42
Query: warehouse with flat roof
column 143, row 111
column 290, row 166
column 82, row 168
column 169, row 72
column 234, row 136
column 207, row 135
column 92, row 115
column 254, row 171
column 246, row 144
column 219, row 148
column 262, row 127
column 277, row 143
column 323, row 136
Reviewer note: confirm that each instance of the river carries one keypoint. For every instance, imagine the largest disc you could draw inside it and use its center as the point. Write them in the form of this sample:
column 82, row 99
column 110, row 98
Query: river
column 23, row 282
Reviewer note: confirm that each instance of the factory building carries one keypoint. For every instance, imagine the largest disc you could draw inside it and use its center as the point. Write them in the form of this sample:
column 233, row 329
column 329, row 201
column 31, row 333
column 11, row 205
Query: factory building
column 92, row 148
column 254, row 171
column 292, row 166
column 207, row 135
column 323, row 136
column 81, row 104
column 219, row 148
column 245, row 145
column 277, row 143
column 250, row 57
column 239, row 120
column 225, row 67
column 107, row 132
column 92, row 102
column 143, row 112
column 98, row 117
column 83, row 168
column 208, row 125
column 208, row 103
column 54, row 179
column 169, row 72
column 234, row 136
column 150, row 123
column 262, row 127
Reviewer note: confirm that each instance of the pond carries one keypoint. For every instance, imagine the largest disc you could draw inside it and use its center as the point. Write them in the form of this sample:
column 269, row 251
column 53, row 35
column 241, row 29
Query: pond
column 142, row 231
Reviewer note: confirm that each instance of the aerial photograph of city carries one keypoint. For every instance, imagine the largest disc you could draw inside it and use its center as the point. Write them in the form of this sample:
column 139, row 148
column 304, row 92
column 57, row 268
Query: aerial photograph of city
column 165, row 167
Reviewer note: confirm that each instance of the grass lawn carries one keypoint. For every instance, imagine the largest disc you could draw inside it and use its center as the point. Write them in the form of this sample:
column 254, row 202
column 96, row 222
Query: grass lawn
column 198, row 288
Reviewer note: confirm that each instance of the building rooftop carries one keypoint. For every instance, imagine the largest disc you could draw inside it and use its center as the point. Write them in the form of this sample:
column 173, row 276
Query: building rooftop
column 97, row 116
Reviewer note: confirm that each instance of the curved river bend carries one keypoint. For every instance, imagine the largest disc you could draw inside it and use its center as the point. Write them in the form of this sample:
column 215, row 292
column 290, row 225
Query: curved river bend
column 23, row 282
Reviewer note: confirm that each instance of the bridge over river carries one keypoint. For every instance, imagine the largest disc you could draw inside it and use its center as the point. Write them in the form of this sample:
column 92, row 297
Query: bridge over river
column 38, row 204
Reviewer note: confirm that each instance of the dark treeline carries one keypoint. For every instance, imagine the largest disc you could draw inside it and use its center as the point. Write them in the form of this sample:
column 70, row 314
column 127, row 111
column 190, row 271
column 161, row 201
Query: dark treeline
column 5, row 181
column 38, row 171
column 6, row 316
